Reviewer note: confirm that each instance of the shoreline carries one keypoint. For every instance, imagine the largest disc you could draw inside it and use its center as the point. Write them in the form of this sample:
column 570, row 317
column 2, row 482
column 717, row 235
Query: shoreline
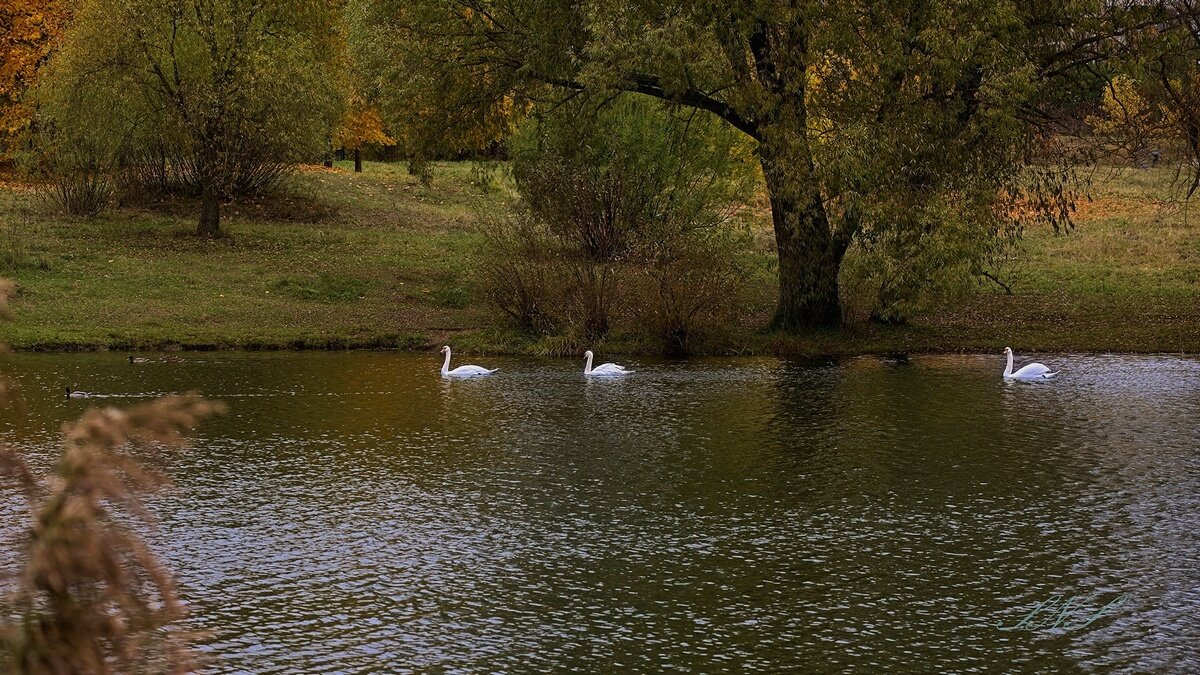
column 380, row 261
column 825, row 346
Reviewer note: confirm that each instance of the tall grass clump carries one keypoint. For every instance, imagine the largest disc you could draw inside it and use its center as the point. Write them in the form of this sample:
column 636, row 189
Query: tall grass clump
column 90, row 596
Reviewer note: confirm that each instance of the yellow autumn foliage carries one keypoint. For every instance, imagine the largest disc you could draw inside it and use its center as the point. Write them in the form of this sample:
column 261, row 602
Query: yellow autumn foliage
column 361, row 125
column 1123, row 106
column 30, row 31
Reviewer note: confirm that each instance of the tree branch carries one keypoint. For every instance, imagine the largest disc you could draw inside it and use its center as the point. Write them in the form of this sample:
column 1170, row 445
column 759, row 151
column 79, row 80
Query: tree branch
column 651, row 86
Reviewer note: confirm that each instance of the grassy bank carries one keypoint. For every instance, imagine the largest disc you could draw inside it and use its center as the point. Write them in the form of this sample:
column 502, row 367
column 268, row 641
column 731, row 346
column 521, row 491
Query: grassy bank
column 376, row 260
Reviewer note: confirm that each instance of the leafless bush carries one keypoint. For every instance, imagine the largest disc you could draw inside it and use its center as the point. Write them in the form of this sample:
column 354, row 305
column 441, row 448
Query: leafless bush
column 519, row 274
column 81, row 184
column 592, row 294
column 546, row 283
column 245, row 170
column 600, row 210
column 689, row 285
column 82, row 193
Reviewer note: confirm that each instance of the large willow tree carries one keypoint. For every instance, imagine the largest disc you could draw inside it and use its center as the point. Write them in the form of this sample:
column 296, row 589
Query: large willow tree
column 206, row 82
column 863, row 112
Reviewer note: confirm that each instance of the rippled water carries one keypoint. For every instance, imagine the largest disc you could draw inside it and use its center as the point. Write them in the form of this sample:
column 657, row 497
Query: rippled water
column 355, row 512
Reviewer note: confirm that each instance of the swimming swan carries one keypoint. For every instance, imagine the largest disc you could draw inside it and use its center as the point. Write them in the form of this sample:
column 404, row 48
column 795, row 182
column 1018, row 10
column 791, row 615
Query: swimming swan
column 1033, row 371
column 462, row 371
column 606, row 369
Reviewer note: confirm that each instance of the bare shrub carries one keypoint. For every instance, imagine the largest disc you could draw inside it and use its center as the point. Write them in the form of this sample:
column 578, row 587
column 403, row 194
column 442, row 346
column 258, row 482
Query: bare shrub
column 592, row 293
column 600, row 209
column 77, row 173
column 690, row 285
column 82, row 193
column 519, row 274
column 246, row 171
column 547, row 282
column 81, row 183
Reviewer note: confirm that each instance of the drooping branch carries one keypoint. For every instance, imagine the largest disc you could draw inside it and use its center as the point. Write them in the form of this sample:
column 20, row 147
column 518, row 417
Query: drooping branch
column 652, row 86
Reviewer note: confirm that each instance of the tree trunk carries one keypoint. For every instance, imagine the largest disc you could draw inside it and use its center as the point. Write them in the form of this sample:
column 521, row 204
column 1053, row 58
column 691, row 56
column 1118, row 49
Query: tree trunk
column 210, row 213
column 358, row 160
column 810, row 254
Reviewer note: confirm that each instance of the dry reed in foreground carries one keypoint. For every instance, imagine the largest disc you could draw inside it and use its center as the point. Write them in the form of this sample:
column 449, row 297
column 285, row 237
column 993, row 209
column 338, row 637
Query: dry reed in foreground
column 91, row 597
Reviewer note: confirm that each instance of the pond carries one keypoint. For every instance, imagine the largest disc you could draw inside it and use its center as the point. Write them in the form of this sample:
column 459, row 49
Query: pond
column 353, row 511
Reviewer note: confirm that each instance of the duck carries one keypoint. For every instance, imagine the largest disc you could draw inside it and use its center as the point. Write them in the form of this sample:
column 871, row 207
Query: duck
column 463, row 371
column 77, row 394
column 1033, row 371
column 604, row 369
column 138, row 359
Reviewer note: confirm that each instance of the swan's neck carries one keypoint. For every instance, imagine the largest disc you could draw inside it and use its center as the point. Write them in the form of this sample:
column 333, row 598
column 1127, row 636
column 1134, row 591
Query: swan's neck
column 446, row 363
column 587, row 367
column 1008, row 368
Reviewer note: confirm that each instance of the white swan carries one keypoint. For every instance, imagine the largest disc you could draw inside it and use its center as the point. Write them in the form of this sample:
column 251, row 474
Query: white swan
column 462, row 371
column 1033, row 371
column 605, row 369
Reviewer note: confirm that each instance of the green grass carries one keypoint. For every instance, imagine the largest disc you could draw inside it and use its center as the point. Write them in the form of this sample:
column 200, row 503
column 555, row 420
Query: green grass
column 377, row 260
column 323, row 288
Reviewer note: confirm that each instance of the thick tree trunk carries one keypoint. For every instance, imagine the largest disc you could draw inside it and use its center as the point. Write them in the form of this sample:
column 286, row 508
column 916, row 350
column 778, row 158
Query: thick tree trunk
column 210, row 213
column 810, row 254
column 358, row 160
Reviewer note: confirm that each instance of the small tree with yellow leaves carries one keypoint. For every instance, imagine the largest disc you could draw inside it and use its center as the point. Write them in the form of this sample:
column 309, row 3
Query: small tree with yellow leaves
column 1128, row 124
column 362, row 125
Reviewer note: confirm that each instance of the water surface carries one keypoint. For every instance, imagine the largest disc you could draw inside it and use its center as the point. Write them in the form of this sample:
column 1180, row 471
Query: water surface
column 355, row 512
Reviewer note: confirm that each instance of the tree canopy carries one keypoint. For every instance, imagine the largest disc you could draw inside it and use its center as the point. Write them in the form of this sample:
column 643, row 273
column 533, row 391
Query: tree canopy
column 213, row 84
column 873, row 120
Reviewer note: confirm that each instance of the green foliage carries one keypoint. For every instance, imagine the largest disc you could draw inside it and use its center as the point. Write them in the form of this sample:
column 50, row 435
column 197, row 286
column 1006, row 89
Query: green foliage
column 607, row 178
column 1151, row 106
column 196, row 86
column 16, row 254
column 1127, row 124
column 451, row 295
column 862, row 113
column 627, row 215
column 148, row 286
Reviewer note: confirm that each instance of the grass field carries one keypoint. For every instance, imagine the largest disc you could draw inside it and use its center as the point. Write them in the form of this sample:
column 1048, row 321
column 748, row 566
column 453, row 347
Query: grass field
column 375, row 260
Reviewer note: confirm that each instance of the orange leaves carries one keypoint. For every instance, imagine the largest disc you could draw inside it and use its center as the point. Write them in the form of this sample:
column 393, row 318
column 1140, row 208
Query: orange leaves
column 30, row 31
column 29, row 34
